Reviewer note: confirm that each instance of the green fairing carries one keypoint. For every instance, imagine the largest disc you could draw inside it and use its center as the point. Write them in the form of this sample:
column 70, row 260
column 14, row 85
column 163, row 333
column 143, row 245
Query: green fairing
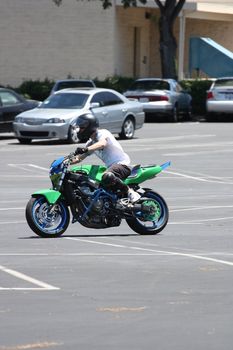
column 95, row 172
column 50, row 195
column 142, row 174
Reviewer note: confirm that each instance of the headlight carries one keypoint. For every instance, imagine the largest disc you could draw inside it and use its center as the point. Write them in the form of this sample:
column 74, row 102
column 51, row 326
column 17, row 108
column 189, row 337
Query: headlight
column 19, row 120
column 55, row 121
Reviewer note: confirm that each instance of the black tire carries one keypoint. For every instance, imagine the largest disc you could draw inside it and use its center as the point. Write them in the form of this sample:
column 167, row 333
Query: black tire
column 151, row 225
column 188, row 114
column 24, row 141
column 211, row 117
column 175, row 114
column 72, row 135
column 128, row 129
column 43, row 223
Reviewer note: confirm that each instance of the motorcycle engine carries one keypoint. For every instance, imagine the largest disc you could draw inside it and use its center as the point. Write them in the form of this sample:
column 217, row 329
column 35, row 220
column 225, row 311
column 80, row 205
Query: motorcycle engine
column 101, row 210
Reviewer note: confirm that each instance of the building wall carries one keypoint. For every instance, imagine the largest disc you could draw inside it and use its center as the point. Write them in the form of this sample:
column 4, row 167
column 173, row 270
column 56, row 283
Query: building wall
column 126, row 22
column 39, row 40
column 219, row 31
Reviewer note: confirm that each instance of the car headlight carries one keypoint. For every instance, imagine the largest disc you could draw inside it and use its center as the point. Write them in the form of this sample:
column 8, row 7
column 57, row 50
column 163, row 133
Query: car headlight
column 55, row 121
column 19, row 120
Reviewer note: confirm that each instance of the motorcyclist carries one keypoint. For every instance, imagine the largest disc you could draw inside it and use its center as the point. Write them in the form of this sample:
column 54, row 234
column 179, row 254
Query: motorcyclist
column 108, row 149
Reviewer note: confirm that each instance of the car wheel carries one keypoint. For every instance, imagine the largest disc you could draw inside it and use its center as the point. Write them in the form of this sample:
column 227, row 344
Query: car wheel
column 175, row 114
column 188, row 114
column 211, row 117
column 72, row 135
column 128, row 129
column 24, row 141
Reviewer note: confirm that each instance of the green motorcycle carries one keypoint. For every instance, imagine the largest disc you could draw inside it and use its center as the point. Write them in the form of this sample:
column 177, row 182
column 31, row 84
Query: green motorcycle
column 77, row 191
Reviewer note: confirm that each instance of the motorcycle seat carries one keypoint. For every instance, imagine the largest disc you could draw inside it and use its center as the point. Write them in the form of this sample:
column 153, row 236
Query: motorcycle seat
column 134, row 170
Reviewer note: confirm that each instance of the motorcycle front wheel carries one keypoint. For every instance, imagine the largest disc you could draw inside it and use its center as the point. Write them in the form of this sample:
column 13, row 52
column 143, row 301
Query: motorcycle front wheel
column 45, row 220
column 153, row 219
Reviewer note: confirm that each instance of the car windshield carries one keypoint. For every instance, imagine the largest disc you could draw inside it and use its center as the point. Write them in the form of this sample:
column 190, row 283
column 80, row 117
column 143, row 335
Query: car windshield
column 224, row 83
column 65, row 101
column 150, row 85
column 72, row 84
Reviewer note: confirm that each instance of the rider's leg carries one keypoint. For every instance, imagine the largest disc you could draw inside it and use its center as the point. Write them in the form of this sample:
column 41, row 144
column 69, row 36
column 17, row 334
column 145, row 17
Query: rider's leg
column 113, row 177
column 110, row 180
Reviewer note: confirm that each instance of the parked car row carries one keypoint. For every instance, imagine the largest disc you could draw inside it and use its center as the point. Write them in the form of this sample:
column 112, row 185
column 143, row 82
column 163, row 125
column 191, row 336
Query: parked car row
column 122, row 114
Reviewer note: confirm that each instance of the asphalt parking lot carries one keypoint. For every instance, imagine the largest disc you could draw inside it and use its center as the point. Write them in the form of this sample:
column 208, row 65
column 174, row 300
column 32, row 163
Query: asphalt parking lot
column 114, row 289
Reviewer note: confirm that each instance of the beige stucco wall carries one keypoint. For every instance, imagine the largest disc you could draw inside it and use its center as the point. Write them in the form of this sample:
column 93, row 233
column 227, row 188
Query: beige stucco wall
column 219, row 31
column 39, row 40
column 126, row 21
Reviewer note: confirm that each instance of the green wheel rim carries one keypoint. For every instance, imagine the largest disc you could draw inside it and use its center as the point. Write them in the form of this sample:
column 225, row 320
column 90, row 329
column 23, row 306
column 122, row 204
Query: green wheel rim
column 155, row 210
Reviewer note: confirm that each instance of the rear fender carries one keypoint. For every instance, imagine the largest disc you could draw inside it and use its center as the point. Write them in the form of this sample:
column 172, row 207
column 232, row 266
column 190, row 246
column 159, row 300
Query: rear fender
column 51, row 195
column 144, row 173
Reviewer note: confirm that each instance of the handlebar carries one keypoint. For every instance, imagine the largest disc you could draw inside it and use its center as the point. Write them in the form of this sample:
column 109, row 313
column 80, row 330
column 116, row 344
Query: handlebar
column 68, row 158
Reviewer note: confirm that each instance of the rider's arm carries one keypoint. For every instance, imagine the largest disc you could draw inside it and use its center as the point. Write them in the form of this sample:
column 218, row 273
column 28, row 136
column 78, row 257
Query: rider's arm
column 97, row 145
column 89, row 149
column 79, row 158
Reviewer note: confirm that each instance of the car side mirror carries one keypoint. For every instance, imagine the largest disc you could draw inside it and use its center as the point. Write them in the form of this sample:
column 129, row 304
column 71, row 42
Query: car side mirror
column 94, row 105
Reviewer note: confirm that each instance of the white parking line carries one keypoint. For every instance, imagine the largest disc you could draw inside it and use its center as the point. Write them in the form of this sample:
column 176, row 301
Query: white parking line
column 188, row 222
column 196, row 178
column 26, row 166
column 6, row 209
column 187, row 255
column 40, row 285
column 199, row 221
column 38, row 167
column 13, row 222
column 191, row 153
column 201, row 208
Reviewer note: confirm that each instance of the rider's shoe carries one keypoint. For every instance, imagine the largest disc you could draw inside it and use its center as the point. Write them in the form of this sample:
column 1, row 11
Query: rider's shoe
column 133, row 196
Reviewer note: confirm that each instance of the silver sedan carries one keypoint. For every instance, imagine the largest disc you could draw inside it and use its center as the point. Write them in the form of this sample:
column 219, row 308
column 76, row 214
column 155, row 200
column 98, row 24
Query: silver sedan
column 55, row 117
column 161, row 97
column 220, row 98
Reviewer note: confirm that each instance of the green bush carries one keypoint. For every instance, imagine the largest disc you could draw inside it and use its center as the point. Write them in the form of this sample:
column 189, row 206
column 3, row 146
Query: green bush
column 197, row 89
column 39, row 90
column 36, row 89
column 117, row 83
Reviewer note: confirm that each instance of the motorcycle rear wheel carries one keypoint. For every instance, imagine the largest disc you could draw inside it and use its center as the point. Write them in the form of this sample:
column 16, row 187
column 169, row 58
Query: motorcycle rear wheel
column 45, row 222
column 153, row 223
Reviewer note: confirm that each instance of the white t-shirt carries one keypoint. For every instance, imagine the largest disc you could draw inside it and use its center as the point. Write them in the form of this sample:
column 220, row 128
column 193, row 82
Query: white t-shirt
column 112, row 153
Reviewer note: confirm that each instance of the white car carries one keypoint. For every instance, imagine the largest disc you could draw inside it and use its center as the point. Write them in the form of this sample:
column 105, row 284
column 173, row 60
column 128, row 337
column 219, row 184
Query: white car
column 55, row 117
column 161, row 97
column 220, row 98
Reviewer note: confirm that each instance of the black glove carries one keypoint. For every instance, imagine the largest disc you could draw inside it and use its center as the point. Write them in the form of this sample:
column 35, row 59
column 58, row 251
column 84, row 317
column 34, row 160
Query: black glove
column 81, row 150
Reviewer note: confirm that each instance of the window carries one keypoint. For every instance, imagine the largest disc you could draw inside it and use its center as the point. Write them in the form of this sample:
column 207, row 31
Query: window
column 65, row 100
column 112, row 99
column 8, row 99
column 106, row 98
column 224, row 82
column 178, row 88
column 148, row 85
column 99, row 97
